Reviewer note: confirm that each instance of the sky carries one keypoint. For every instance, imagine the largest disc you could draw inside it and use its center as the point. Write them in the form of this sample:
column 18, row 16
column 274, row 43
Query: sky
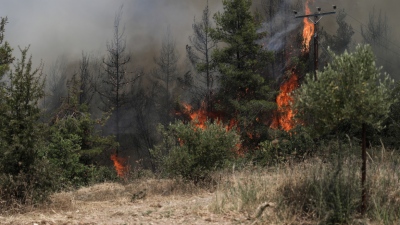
column 55, row 28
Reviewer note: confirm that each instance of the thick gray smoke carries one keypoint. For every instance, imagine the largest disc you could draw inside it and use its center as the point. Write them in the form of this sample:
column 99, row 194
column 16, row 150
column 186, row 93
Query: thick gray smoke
column 357, row 10
column 55, row 28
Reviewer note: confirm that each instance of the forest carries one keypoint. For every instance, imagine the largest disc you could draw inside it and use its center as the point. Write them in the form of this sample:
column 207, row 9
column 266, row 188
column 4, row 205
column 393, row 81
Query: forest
column 254, row 85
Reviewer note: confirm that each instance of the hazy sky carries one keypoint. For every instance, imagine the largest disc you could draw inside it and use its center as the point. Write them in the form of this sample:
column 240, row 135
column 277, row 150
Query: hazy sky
column 68, row 27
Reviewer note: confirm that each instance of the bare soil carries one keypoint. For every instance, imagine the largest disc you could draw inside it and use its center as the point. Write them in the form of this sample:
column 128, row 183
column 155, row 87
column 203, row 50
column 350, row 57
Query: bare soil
column 144, row 202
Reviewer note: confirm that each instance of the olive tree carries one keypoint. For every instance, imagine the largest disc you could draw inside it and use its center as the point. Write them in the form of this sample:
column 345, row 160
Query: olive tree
column 350, row 88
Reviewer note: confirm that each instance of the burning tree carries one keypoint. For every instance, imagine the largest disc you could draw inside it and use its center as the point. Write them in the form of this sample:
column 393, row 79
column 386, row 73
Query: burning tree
column 243, row 94
column 350, row 89
column 284, row 115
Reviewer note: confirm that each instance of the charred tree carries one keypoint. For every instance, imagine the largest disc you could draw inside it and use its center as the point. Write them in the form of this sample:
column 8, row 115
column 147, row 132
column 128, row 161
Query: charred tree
column 167, row 72
column 87, row 82
column 114, row 89
column 199, row 53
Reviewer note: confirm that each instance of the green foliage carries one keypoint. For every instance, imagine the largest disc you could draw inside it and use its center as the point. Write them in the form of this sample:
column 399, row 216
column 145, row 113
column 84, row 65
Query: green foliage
column 390, row 135
column 74, row 142
column 24, row 175
column 5, row 50
column 21, row 130
column 72, row 146
column 350, row 89
column 5, row 59
column 296, row 144
column 191, row 152
column 244, row 94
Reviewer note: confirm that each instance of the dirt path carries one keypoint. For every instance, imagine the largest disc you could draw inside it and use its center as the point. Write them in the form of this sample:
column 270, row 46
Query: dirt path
column 118, row 204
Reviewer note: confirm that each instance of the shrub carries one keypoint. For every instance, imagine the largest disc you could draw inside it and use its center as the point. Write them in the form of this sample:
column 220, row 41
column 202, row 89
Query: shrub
column 191, row 152
column 27, row 189
column 295, row 144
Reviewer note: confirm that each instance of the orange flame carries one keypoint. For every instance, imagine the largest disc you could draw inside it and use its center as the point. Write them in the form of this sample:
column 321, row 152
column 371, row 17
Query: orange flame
column 284, row 119
column 308, row 29
column 285, row 114
column 120, row 165
column 202, row 115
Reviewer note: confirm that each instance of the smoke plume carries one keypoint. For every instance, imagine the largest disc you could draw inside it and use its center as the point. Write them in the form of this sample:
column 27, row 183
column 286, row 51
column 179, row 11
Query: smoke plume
column 54, row 28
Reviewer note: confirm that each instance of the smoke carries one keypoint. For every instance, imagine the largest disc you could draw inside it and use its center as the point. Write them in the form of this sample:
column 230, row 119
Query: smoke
column 358, row 11
column 54, row 28
column 282, row 24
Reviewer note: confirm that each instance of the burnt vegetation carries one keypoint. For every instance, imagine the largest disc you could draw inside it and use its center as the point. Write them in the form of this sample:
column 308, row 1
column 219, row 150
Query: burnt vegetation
column 243, row 94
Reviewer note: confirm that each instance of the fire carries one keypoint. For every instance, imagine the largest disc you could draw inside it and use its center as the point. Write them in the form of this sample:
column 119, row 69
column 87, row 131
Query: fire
column 285, row 114
column 201, row 116
column 308, row 29
column 120, row 165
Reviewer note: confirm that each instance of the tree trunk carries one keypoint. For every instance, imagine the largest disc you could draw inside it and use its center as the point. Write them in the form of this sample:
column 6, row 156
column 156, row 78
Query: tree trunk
column 364, row 171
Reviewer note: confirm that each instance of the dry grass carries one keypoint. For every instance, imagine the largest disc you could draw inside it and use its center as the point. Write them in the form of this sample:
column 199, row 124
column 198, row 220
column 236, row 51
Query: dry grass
column 112, row 191
column 252, row 195
column 255, row 192
column 281, row 195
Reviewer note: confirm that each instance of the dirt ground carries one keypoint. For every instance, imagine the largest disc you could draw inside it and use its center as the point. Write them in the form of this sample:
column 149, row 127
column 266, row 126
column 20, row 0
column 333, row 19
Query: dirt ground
column 149, row 202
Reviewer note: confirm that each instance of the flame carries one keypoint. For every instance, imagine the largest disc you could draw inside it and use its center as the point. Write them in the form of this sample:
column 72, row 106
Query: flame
column 308, row 29
column 120, row 165
column 285, row 114
column 201, row 116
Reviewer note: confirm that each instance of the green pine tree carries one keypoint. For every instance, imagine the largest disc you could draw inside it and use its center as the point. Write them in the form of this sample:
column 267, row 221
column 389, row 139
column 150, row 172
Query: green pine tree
column 5, row 60
column 244, row 94
column 22, row 130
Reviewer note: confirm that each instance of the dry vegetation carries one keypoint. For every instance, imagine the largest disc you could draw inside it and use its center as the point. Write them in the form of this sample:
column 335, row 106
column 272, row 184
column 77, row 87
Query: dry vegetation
column 250, row 195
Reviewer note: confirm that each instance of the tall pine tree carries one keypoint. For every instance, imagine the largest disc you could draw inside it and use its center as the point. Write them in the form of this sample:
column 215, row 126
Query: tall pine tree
column 244, row 94
column 22, row 129
column 5, row 60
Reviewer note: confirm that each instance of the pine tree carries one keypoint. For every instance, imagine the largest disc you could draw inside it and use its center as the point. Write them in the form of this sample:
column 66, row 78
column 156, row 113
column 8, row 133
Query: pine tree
column 114, row 91
column 199, row 53
column 244, row 94
column 5, row 50
column 167, row 71
column 5, row 60
column 23, row 129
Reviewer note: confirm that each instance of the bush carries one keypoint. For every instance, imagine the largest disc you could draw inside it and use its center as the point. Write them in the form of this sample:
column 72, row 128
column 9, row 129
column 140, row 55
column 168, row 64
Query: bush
column 27, row 188
column 295, row 144
column 192, row 153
